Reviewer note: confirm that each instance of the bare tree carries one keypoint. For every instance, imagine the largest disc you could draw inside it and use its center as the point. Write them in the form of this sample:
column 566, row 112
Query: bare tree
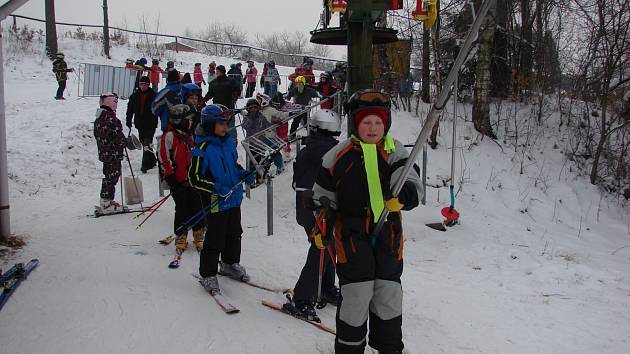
column 606, row 63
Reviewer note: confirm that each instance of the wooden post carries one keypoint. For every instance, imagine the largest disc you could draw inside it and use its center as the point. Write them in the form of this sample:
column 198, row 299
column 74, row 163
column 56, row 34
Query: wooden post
column 176, row 45
column 51, row 29
column 105, row 30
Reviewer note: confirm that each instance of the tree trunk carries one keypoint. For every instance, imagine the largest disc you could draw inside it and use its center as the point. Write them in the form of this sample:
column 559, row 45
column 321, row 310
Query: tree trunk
column 481, row 104
column 525, row 62
column 105, row 30
column 426, row 58
column 603, row 132
column 500, row 68
column 51, row 29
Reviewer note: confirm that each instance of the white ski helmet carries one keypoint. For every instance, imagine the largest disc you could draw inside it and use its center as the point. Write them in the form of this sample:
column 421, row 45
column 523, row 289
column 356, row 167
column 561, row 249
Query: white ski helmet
column 326, row 119
column 263, row 99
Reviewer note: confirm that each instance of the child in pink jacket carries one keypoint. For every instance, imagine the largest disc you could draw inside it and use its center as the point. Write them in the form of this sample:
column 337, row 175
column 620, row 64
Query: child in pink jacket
column 198, row 75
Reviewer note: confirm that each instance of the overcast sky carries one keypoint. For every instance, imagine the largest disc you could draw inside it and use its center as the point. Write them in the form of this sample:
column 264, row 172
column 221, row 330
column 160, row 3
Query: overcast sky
column 254, row 16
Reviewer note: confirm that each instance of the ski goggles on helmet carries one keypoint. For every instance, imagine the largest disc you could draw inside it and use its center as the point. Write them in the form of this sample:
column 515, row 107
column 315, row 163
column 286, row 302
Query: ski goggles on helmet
column 370, row 98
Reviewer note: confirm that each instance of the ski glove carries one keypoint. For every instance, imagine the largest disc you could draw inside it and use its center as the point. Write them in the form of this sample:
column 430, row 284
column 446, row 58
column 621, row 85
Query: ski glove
column 174, row 186
column 393, row 205
column 318, row 240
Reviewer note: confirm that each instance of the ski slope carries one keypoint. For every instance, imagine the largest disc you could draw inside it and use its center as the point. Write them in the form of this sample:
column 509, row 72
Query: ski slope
column 536, row 265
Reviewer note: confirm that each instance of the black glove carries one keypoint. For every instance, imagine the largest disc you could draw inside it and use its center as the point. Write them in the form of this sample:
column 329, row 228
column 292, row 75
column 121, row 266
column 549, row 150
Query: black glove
column 174, row 186
column 408, row 196
column 128, row 123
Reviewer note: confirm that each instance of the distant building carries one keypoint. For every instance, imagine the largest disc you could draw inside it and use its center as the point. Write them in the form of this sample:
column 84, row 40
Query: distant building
column 179, row 47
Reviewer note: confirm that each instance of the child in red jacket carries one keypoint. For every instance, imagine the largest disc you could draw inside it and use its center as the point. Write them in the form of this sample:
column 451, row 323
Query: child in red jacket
column 175, row 147
column 155, row 75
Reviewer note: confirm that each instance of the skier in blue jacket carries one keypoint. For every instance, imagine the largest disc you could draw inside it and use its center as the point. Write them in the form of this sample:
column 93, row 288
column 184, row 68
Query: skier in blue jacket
column 168, row 97
column 217, row 175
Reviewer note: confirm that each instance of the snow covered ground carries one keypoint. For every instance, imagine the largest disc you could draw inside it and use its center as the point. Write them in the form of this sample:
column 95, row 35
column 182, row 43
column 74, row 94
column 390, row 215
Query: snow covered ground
column 536, row 265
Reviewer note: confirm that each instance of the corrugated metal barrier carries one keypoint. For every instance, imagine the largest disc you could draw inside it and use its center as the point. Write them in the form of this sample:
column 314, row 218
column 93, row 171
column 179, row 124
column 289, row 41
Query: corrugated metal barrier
column 96, row 79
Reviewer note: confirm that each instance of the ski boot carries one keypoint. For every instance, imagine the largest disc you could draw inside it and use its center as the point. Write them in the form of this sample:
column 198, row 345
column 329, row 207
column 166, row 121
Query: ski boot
column 109, row 206
column 211, row 284
column 181, row 242
column 304, row 310
column 198, row 236
column 234, row 271
column 331, row 296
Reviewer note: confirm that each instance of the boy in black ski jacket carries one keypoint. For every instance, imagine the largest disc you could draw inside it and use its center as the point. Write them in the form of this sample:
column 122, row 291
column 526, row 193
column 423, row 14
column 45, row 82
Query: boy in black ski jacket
column 325, row 125
column 358, row 176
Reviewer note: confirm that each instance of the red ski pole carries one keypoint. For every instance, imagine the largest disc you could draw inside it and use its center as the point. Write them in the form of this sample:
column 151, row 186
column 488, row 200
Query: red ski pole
column 150, row 214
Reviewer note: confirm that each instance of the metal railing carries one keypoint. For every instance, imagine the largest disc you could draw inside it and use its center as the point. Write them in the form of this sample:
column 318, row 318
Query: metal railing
column 243, row 50
column 266, row 144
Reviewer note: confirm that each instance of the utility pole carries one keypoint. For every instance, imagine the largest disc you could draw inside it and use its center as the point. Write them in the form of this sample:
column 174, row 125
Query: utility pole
column 51, row 29
column 105, row 30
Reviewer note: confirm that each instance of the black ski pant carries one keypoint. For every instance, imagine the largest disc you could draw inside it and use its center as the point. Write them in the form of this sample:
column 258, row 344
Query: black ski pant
column 187, row 203
column 249, row 91
column 148, row 156
column 223, row 239
column 305, row 290
column 369, row 279
column 295, row 124
column 61, row 88
column 111, row 174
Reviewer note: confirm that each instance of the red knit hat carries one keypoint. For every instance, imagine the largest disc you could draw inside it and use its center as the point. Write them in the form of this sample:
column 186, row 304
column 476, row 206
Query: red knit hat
column 381, row 112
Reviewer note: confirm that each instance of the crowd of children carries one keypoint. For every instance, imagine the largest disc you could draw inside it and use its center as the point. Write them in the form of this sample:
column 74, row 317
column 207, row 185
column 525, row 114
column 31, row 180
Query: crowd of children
column 341, row 188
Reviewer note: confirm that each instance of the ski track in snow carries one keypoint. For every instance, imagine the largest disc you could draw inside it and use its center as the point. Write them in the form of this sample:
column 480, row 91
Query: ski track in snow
column 506, row 280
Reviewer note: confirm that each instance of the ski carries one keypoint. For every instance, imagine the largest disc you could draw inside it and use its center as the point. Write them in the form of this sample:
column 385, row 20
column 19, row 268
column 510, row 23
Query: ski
column 9, row 273
column 13, row 281
column 224, row 303
column 221, row 300
column 175, row 262
column 167, row 240
column 257, row 285
column 281, row 309
column 98, row 213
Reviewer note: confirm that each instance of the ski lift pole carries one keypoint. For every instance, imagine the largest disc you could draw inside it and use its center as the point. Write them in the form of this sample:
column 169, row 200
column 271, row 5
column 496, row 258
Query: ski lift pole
column 437, row 107
column 449, row 212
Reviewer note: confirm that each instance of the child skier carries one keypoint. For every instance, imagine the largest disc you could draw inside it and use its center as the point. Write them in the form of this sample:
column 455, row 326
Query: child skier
column 250, row 77
column 60, row 68
column 215, row 173
column 324, row 126
column 198, row 75
column 146, row 123
column 191, row 96
column 326, row 87
column 110, row 141
column 254, row 122
column 156, row 75
column 167, row 98
column 175, row 157
column 302, row 95
column 357, row 176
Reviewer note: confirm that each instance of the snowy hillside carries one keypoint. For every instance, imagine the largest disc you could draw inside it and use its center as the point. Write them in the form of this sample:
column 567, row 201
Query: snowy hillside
column 537, row 265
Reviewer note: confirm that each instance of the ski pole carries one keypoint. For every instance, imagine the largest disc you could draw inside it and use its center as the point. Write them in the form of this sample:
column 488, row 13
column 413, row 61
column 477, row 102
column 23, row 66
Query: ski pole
column 204, row 211
column 155, row 206
column 435, row 109
column 323, row 230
